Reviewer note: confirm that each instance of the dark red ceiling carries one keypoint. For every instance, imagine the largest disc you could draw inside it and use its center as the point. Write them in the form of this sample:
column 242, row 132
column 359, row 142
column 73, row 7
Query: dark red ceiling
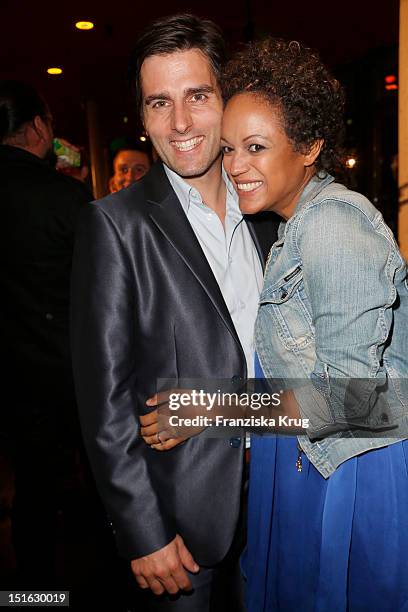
column 35, row 35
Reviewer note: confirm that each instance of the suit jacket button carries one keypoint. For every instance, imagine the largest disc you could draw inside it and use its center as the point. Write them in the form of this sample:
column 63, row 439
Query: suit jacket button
column 236, row 378
column 235, row 442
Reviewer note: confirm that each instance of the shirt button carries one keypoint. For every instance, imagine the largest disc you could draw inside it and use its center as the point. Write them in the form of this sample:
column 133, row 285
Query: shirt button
column 241, row 305
column 49, row 316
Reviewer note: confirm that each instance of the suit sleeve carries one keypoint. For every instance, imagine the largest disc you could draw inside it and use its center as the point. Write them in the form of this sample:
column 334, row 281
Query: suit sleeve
column 104, row 345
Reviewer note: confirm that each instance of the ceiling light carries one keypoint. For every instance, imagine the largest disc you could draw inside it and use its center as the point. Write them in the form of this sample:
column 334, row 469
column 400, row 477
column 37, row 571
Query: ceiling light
column 143, row 138
column 54, row 70
column 84, row 25
column 351, row 162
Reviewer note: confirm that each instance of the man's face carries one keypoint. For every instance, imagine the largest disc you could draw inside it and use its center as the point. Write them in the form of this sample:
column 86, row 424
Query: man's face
column 129, row 167
column 182, row 110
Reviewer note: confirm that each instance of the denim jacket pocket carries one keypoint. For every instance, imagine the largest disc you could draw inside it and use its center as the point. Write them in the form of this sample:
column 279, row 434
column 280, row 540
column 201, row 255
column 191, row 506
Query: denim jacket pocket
column 286, row 303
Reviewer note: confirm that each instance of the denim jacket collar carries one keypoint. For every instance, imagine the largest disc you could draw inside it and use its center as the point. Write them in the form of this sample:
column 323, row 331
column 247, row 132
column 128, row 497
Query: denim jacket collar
column 312, row 189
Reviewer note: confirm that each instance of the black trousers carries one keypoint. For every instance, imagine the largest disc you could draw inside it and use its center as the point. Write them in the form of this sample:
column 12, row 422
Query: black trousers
column 41, row 446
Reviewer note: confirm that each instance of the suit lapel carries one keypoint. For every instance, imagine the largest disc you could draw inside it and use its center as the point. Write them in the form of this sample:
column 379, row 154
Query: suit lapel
column 254, row 237
column 168, row 215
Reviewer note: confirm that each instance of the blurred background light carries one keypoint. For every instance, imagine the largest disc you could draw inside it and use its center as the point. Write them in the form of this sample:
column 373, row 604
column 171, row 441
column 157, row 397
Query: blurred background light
column 351, row 162
column 84, row 25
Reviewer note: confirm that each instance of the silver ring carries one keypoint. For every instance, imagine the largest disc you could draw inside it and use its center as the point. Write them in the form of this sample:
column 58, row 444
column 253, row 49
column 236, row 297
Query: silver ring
column 158, row 437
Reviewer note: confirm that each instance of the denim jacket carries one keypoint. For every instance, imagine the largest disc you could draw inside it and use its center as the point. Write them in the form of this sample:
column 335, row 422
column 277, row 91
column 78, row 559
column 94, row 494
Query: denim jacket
column 333, row 316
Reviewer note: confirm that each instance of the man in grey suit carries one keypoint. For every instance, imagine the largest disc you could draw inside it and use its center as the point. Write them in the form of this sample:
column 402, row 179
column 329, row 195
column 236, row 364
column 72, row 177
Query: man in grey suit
column 166, row 280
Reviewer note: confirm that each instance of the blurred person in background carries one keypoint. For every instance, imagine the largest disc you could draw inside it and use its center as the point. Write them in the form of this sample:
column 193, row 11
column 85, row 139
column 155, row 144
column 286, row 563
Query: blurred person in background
column 39, row 427
column 129, row 165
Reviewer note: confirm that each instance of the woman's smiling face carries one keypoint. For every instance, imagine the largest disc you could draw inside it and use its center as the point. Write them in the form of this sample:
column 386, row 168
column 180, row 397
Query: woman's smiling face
column 260, row 160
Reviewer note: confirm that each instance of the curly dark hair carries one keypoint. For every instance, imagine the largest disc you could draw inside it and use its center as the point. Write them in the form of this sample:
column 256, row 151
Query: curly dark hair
column 292, row 77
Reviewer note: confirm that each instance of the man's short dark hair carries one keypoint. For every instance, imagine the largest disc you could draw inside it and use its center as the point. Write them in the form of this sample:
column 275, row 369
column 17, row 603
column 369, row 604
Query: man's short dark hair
column 19, row 104
column 131, row 144
column 177, row 33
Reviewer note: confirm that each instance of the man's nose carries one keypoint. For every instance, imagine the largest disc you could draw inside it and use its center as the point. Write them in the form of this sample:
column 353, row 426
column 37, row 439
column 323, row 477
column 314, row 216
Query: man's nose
column 136, row 174
column 127, row 176
column 181, row 120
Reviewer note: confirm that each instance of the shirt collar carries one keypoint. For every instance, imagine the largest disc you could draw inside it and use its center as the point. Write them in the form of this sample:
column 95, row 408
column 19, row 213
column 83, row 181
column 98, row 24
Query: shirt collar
column 229, row 185
column 189, row 195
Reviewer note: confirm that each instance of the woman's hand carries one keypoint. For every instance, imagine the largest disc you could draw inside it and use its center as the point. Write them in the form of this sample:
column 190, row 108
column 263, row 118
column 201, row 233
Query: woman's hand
column 156, row 429
column 150, row 433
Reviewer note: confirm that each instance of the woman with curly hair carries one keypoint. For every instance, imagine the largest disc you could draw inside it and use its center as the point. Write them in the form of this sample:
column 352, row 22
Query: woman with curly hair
column 328, row 520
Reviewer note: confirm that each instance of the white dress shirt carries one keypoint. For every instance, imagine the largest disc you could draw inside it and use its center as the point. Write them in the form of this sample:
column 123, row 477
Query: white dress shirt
column 231, row 254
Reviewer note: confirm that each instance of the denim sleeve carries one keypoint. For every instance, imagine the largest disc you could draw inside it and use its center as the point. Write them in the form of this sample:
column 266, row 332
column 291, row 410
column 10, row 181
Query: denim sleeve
column 349, row 262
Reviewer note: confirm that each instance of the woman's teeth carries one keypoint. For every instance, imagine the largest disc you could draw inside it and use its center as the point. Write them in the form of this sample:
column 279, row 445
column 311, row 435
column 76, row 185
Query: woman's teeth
column 248, row 186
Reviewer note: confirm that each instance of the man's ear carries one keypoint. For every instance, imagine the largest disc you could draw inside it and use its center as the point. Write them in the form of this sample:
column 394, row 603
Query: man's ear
column 40, row 128
column 314, row 152
column 34, row 132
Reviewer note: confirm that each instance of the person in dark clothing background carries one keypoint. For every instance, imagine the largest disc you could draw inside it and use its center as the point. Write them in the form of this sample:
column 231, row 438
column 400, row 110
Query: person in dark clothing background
column 38, row 426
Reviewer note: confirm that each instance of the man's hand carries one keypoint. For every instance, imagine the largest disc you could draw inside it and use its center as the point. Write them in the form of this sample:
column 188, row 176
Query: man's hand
column 165, row 569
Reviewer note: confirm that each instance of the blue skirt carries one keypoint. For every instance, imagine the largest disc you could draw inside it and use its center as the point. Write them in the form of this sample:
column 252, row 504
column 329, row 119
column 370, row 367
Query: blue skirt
column 335, row 545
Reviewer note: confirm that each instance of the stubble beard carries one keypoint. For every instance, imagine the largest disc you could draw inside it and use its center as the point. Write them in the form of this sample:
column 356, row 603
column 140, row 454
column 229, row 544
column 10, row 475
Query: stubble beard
column 198, row 170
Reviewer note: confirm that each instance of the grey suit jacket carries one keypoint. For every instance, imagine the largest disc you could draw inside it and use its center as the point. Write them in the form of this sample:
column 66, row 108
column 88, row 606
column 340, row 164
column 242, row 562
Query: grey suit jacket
column 146, row 305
